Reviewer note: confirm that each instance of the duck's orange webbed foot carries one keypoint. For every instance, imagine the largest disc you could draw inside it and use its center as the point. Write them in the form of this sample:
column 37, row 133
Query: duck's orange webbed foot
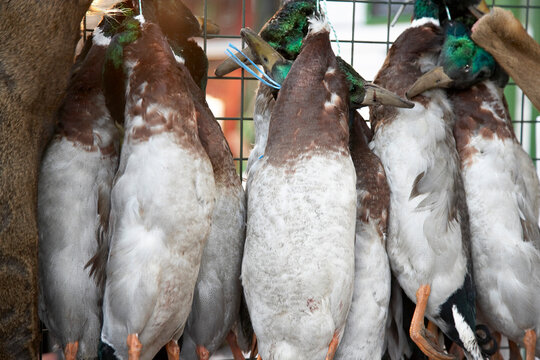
column 332, row 347
column 70, row 352
column 134, row 347
column 233, row 344
column 202, row 352
column 173, row 350
column 419, row 334
column 530, row 344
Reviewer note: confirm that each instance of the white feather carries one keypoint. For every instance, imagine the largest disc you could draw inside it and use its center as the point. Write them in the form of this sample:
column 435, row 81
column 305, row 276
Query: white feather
column 298, row 259
column 501, row 194
column 408, row 146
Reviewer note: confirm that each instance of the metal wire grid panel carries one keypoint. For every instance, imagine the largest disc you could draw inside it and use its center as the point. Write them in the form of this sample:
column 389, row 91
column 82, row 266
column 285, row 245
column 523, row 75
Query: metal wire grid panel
column 362, row 35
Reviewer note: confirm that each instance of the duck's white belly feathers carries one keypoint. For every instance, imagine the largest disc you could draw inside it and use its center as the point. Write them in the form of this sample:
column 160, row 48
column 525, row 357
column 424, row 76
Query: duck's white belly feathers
column 424, row 242
column 71, row 182
column 506, row 268
column 364, row 336
column 298, row 263
column 162, row 203
column 218, row 290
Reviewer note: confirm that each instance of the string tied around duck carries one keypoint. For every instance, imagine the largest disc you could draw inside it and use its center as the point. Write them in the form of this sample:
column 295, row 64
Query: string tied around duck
column 140, row 17
column 324, row 11
column 269, row 81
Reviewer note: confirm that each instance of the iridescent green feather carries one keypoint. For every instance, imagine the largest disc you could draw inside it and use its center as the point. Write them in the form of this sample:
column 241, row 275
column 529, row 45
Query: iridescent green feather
column 286, row 30
column 130, row 32
column 426, row 9
column 464, row 61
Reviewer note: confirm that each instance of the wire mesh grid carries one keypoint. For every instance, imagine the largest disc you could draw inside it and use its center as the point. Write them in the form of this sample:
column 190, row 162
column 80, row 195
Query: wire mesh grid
column 362, row 36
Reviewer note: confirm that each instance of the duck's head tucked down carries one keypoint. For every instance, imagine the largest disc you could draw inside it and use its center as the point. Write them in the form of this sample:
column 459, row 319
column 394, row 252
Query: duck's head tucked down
column 461, row 62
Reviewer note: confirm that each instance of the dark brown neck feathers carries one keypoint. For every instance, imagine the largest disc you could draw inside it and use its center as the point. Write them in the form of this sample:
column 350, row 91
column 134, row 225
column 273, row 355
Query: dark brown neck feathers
column 158, row 90
column 311, row 111
column 401, row 67
column 372, row 188
column 84, row 103
column 213, row 140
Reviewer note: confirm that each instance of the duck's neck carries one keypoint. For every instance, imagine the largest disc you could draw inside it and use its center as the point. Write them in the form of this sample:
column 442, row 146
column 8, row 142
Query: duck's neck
column 311, row 111
column 83, row 113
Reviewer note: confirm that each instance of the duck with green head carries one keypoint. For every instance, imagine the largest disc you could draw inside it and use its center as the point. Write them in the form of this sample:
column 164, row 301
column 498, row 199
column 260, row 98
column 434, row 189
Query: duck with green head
column 162, row 197
column 298, row 263
column 428, row 240
column 503, row 193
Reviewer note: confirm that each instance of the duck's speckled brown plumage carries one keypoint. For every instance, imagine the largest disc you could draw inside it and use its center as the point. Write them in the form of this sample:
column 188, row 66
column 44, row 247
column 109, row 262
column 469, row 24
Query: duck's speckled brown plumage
column 473, row 119
column 370, row 177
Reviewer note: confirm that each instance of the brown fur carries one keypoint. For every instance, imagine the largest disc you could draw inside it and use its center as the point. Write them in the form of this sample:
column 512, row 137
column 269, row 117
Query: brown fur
column 503, row 36
column 38, row 42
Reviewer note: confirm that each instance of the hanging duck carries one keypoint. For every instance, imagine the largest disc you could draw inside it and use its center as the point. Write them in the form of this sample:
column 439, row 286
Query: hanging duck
column 298, row 262
column 372, row 336
column 428, row 241
column 364, row 335
column 502, row 189
column 73, row 205
column 162, row 197
column 217, row 295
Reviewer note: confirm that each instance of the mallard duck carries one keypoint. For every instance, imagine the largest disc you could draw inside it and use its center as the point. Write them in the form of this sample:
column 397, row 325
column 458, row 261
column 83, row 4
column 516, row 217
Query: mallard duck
column 502, row 191
column 73, row 206
column 218, row 290
column 162, row 198
column 298, row 262
column 428, row 241
column 364, row 335
column 359, row 91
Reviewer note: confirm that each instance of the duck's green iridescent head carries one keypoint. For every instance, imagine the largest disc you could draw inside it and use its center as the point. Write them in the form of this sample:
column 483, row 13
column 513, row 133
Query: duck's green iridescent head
column 129, row 31
column 286, row 30
column 426, row 9
column 275, row 65
column 462, row 60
